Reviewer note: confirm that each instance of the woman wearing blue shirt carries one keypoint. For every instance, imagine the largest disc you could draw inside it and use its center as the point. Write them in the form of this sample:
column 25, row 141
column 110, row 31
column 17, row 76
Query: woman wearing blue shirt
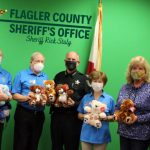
column 5, row 79
column 92, row 137
column 136, row 134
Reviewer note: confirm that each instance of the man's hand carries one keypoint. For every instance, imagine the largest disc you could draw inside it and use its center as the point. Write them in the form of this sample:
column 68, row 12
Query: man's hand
column 31, row 95
column 3, row 97
column 71, row 102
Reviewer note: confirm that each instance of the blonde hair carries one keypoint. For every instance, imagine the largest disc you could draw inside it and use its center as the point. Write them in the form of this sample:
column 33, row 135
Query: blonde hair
column 33, row 56
column 138, row 60
column 94, row 75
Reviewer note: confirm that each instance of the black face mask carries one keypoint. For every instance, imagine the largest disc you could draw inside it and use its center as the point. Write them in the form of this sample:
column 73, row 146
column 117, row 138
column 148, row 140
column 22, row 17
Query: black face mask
column 71, row 65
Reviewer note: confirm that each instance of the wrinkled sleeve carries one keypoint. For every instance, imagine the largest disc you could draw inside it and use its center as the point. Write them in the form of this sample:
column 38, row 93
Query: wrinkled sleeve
column 143, row 118
column 80, row 108
column 112, row 106
column 17, row 84
column 9, row 84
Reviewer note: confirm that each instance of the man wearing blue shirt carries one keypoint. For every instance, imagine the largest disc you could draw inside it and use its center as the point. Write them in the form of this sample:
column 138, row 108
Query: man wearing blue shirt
column 28, row 119
column 5, row 79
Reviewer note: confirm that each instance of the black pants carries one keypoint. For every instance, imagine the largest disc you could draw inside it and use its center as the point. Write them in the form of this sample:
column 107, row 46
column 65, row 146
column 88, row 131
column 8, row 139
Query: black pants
column 65, row 131
column 28, row 129
column 1, row 132
column 132, row 144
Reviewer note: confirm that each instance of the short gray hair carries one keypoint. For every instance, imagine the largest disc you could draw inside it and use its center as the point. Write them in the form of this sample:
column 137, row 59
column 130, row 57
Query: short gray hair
column 35, row 54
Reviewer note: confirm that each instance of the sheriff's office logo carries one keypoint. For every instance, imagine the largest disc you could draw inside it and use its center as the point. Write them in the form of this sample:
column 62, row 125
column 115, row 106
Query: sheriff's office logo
column 32, row 82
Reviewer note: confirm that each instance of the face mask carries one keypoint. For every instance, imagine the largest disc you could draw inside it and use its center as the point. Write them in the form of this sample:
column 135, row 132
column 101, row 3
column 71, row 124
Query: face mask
column 96, row 86
column 137, row 75
column 71, row 65
column 38, row 67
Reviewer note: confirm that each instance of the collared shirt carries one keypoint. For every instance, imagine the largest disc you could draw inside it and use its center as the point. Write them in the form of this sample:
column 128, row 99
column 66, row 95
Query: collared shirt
column 139, row 130
column 77, row 82
column 92, row 134
column 5, row 79
column 22, row 82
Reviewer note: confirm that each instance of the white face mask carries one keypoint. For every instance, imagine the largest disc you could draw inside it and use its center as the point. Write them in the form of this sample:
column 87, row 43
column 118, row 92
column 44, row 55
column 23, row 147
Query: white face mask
column 96, row 86
column 38, row 67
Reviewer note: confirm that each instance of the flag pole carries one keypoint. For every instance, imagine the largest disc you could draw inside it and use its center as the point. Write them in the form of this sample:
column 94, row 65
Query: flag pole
column 100, row 2
column 95, row 58
column 99, row 52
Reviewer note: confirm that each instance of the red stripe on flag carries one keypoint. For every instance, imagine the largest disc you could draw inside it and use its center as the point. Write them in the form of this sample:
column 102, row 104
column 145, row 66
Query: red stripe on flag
column 90, row 67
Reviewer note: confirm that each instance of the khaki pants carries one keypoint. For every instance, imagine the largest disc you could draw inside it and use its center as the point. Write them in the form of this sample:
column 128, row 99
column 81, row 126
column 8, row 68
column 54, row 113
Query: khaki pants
column 88, row 146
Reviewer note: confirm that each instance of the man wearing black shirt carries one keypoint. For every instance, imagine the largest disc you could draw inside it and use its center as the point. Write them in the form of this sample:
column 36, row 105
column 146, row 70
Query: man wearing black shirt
column 65, row 125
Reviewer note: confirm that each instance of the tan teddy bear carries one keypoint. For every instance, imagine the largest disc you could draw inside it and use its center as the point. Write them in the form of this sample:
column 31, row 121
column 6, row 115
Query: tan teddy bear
column 49, row 86
column 126, row 111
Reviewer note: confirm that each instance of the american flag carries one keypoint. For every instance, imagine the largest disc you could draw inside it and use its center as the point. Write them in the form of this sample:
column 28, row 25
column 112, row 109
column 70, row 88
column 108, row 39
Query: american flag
column 95, row 59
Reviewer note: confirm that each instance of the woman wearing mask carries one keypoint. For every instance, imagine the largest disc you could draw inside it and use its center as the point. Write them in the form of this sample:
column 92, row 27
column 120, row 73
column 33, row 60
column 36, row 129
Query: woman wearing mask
column 28, row 119
column 136, row 134
column 6, row 80
column 92, row 137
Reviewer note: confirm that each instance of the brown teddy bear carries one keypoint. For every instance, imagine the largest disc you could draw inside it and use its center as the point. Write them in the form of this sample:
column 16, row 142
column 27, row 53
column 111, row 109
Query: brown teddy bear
column 63, row 94
column 38, row 97
column 49, row 86
column 126, row 112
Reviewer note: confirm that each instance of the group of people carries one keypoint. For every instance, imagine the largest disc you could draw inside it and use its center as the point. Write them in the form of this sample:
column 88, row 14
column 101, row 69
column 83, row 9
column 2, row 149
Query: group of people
column 67, row 126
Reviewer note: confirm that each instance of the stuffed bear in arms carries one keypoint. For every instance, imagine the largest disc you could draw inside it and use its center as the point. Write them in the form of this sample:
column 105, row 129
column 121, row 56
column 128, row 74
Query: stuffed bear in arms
column 95, row 113
column 49, row 86
column 126, row 111
column 63, row 95
column 5, row 106
column 38, row 96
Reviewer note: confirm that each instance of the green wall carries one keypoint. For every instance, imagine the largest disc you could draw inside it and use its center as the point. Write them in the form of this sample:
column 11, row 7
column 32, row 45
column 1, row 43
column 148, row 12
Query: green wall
column 126, row 33
column 126, row 30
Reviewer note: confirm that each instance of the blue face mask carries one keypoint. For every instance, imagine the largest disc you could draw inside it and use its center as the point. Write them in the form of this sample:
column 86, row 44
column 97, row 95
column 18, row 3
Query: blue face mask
column 71, row 65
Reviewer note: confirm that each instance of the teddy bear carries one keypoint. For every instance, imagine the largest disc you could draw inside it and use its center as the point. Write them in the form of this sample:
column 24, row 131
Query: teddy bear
column 63, row 94
column 126, row 111
column 5, row 90
column 93, row 120
column 95, row 112
column 38, row 97
column 50, row 92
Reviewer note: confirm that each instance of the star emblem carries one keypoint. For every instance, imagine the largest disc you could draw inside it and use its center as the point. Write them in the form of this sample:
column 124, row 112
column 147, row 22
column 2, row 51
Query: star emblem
column 77, row 82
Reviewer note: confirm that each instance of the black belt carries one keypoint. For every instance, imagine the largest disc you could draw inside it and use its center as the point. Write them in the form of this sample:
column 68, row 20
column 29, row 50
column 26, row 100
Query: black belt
column 29, row 110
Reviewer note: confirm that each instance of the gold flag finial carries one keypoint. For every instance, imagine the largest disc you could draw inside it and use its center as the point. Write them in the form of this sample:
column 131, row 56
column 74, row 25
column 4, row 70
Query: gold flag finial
column 100, row 2
column 2, row 11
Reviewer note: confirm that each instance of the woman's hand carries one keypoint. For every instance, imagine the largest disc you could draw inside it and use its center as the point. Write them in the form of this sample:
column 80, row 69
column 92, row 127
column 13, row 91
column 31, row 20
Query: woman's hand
column 132, row 121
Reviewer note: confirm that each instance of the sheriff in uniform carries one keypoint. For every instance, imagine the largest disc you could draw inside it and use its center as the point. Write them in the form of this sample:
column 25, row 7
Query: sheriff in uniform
column 65, row 125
